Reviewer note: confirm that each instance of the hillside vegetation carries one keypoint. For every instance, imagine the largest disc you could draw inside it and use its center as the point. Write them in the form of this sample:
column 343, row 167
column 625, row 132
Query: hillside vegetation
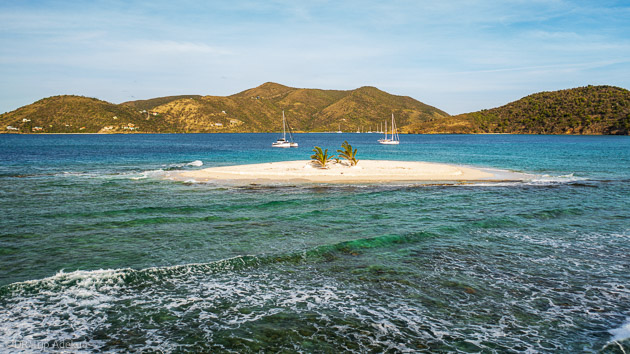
column 260, row 110
column 77, row 114
column 154, row 102
column 255, row 110
column 583, row 110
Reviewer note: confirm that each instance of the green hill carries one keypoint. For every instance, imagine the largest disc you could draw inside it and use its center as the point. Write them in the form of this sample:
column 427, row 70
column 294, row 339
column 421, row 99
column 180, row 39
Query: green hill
column 154, row 102
column 582, row 110
column 77, row 114
column 255, row 110
column 260, row 110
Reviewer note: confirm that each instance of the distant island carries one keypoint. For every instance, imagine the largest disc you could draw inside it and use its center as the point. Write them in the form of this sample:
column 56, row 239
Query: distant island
column 583, row 110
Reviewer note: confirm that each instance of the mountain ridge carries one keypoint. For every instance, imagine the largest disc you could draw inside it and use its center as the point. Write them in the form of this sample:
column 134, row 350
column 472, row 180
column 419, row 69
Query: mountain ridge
column 582, row 110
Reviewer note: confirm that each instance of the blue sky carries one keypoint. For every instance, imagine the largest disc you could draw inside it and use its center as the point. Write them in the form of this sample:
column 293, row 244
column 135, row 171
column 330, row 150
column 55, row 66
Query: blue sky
column 459, row 56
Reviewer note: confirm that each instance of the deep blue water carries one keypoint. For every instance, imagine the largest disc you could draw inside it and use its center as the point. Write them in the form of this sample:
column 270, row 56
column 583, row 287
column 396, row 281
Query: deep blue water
column 99, row 252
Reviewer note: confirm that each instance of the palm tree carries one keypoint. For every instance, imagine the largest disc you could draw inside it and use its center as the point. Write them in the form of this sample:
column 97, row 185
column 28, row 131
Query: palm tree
column 321, row 157
column 348, row 154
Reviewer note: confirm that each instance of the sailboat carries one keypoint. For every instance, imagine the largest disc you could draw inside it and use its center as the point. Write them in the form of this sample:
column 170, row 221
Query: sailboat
column 283, row 142
column 395, row 140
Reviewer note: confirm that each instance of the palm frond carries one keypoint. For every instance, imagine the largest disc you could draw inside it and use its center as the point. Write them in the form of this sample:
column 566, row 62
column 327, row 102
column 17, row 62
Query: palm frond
column 321, row 157
column 348, row 154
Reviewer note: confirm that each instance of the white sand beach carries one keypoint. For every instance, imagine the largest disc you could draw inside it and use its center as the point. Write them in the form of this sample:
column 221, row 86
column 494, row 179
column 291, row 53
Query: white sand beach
column 366, row 171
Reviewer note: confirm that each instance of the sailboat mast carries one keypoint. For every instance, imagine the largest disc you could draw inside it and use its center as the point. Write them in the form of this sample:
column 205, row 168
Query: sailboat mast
column 284, row 131
column 393, row 126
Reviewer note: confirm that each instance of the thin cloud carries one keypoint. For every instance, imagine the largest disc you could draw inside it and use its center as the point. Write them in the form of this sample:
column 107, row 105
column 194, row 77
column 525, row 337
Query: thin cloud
column 177, row 47
column 540, row 68
column 446, row 53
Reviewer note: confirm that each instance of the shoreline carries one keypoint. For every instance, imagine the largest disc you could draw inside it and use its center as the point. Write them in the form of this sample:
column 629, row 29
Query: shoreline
column 366, row 172
column 298, row 132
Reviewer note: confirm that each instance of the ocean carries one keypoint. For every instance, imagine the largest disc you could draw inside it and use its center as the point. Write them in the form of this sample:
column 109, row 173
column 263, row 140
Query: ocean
column 100, row 252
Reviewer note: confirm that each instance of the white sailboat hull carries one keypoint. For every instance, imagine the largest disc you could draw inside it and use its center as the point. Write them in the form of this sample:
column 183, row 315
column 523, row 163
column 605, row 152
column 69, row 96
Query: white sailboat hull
column 389, row 142
column 283, row 142
column 395, row 140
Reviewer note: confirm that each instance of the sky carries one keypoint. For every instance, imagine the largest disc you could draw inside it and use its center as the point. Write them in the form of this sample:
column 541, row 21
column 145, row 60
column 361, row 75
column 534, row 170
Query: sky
column 459, row 56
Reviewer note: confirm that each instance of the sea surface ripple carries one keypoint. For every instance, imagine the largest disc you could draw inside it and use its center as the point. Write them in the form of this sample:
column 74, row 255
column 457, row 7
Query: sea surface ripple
column 99, row 252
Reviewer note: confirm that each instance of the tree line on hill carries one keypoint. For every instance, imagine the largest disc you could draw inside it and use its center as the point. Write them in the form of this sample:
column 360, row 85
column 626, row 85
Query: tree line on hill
column 583, row 110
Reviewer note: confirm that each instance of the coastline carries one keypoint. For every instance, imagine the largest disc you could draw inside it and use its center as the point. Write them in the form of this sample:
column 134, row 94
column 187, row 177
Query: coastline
column 365, row 172
column 294, row 132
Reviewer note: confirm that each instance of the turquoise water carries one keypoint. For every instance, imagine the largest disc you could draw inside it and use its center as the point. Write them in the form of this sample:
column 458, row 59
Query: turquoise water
column 99, row 252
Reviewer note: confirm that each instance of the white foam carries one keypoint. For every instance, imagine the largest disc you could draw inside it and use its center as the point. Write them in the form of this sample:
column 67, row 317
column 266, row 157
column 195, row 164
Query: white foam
column 154, row 173
column 77, row 174
column 621, row 333
column 534, row 180
column 196, row 163
column 159, row 173
column 548, row 179
column 147, row 174
column 83, row 278
column 85, row 302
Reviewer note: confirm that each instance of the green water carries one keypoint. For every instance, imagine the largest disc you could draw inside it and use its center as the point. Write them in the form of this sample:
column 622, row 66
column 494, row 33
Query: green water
column 99, row 252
